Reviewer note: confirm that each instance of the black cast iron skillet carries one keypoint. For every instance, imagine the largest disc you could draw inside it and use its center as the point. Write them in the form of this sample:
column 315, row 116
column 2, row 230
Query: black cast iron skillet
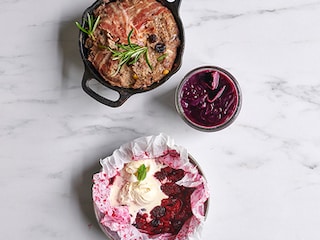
column 124, row 93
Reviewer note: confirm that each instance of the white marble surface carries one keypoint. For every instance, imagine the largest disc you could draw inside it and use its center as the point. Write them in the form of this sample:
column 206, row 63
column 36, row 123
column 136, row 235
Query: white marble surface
column 263, row 171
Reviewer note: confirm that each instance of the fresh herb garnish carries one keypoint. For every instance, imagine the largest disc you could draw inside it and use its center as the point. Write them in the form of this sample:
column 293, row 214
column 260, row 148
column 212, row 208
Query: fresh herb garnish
column 162, row 57
column 129, row 53
column 141, row 173
column 92, row 25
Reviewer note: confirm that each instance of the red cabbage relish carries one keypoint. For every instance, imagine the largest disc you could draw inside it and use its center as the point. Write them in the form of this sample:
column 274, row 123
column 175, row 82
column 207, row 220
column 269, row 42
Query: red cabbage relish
column 209, row 98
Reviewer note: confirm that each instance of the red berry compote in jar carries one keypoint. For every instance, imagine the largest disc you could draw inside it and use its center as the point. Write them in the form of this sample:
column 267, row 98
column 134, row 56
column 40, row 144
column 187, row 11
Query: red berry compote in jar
column 208, row 98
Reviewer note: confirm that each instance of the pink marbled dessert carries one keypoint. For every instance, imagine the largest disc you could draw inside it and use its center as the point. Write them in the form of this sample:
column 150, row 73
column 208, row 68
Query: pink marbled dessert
column 150, row 189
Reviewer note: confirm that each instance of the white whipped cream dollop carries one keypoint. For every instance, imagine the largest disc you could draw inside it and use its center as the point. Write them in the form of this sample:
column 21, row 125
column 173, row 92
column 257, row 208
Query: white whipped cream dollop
column 128, row 190
column 137, row 192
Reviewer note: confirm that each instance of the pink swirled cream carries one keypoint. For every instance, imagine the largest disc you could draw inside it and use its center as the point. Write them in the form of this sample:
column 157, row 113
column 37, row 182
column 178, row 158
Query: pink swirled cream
column 150, row 189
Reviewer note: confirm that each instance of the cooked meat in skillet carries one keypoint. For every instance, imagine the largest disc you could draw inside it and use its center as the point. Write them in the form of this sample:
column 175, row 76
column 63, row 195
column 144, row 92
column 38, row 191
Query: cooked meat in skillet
column 150, row 25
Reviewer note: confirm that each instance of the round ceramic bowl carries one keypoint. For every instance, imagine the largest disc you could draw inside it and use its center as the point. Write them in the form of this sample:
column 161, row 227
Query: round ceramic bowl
column 114, row 235
column 208, row 98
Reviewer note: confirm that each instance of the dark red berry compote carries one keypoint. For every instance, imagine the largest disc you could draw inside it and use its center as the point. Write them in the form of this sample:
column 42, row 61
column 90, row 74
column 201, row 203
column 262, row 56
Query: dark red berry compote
column 150, row 189
column 208, row 98
column 174, row 211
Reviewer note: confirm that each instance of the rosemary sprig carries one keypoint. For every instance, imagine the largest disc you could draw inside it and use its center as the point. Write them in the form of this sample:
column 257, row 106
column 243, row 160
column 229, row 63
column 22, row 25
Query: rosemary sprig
column 92, row 25
column 162, row 57
column 129, row 53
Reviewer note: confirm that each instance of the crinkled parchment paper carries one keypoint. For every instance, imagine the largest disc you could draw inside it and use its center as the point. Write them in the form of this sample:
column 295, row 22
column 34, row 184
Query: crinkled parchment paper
column 162, row 148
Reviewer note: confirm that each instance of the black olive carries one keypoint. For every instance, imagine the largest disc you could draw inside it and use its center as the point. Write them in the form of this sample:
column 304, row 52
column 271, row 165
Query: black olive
column 158, row 211
column 160, row 47
column 152, row 38
column 155, row 222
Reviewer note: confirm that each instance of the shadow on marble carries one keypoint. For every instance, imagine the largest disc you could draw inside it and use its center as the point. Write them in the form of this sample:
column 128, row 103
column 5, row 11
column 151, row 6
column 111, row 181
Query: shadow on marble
column 82, row 184
column 69, row 50
column 82, row 180
column 164, row 104
column 166, row 100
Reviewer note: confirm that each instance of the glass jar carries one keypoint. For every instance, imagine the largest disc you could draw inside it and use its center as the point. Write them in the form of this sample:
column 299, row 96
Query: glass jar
column 208, row 98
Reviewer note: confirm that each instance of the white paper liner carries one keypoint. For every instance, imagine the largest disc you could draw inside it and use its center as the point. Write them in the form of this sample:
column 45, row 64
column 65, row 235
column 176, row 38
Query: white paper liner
column 162, row 148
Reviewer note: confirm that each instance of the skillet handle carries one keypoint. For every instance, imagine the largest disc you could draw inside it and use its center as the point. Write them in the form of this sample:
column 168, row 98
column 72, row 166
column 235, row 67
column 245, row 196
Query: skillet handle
column 123, row 96
column 175, row 4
